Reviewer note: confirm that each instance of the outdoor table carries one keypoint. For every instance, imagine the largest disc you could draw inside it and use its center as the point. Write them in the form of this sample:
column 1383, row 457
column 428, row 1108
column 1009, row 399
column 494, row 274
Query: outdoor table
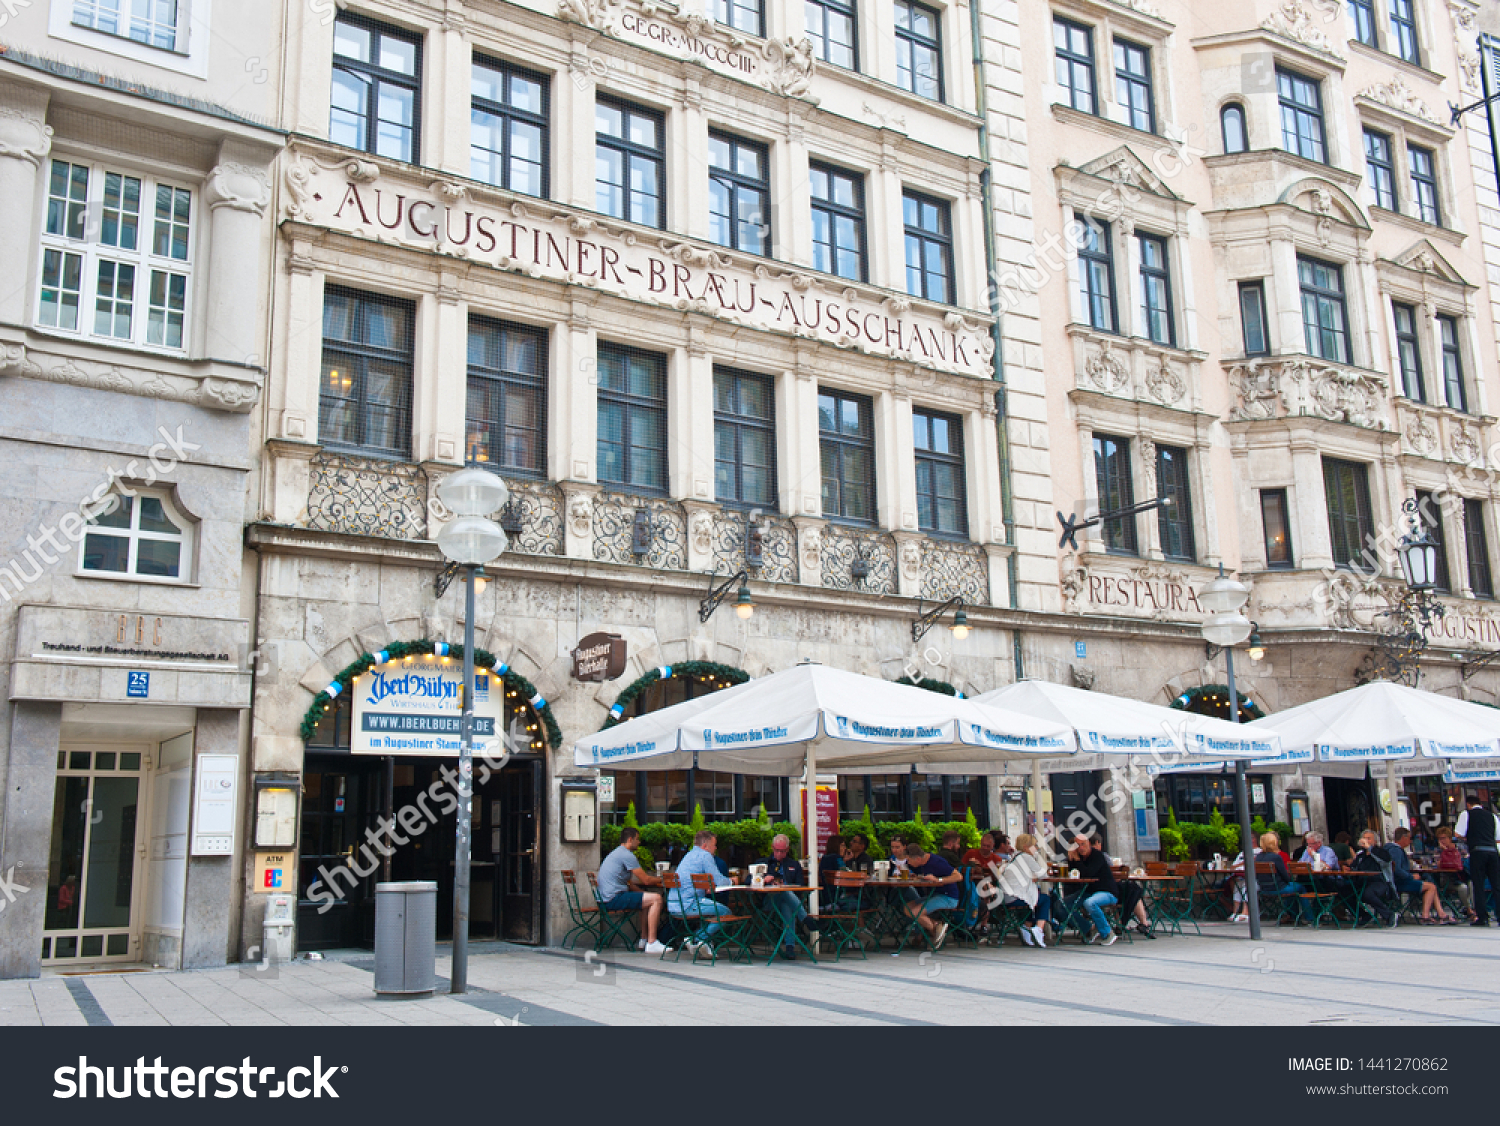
column 894, row 920
column 778, row 930
column 1152, row 885
column 1067, row 917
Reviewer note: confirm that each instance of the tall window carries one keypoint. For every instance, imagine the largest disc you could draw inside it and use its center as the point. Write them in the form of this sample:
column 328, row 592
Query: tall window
column 1276, row 524
column 1404, row 31
column 1232, row 124
column 1350, row 527
column 144, row 536
column 1382, row 169
column 1362, row 12
column 1175, row 520
column 744, row 439
column 1074, row 45
column 1133, row 85
column 1325, row 319
column 365, row 404
column 630, row 163
column 846, row 440
column 1156, row 290
column 919, row 50
column 929, row 247
column 1409, row 352
column 830, row 26
column 1477, row 547
column 1424, row 190
column 507, row 398
column 1116, row 486
column 1253, row 324
column 116, row 256
column 942, row 504
column 739, row 194
column 152, row 22
column 377, row 82
column 1301, row 115
column 1096, row 271
column 1453, row 363
column 1430, row 514
column 838, row 216
column 632, row 418
column 743, row 15
column 508, row 127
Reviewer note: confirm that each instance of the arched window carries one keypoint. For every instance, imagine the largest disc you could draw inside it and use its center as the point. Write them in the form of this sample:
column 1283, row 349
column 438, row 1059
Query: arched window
column 141, row 534
column 1232, row 119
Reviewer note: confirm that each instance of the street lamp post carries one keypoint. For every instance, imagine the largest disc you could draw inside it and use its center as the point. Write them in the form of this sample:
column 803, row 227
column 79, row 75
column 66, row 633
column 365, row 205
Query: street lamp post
column 470, row 541
column 1226, row 627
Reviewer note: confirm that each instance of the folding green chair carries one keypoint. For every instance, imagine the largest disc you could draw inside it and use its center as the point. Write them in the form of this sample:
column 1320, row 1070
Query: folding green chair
column 842, row 925
column 685, row 927
column 963, row 920
column 586, row 920
column 612, row 924
column 732, row 926
column 1172, row 904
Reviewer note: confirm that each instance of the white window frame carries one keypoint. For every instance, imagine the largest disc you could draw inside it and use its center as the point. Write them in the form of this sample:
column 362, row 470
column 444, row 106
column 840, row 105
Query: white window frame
column 187, row 558
column 188, row 56
column 91, row 252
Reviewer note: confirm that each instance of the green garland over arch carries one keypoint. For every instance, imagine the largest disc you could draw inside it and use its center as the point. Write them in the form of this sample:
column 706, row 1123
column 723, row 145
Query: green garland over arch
column 1216, row 697
column 397, row 650
column 666, row 672
column 931, row 685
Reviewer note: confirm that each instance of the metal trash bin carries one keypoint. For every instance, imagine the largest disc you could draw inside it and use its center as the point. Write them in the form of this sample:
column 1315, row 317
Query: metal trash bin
column 406, row 937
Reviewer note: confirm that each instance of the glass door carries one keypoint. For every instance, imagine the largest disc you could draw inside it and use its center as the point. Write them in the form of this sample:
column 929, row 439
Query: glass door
column 93, row 876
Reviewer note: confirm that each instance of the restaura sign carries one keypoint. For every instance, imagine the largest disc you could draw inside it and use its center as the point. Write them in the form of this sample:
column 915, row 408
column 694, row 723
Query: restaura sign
column 599, row 657
column 417, row 709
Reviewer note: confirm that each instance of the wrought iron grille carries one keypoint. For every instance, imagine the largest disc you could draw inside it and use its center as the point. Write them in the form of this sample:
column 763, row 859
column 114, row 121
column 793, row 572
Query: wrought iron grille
column 533, row 518
column 841, row 547
column 367, row 497
column 614, row 530
column 950, row 569
column 778, row 545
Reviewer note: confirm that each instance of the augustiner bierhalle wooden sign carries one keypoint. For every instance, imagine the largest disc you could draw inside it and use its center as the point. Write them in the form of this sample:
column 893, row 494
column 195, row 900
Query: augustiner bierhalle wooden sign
column 599, row 656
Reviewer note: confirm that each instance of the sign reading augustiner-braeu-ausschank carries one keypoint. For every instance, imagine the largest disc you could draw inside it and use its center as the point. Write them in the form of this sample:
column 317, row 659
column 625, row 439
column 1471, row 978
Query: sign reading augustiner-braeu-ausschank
column 544, row 242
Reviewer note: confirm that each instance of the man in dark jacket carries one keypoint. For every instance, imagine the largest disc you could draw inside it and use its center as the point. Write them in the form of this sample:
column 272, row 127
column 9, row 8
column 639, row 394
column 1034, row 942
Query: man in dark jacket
column 782, row 869
column 1100, row 892
column 1476, row 828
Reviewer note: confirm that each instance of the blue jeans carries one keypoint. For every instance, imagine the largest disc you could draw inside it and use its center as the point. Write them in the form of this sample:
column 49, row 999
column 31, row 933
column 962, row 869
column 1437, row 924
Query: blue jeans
column 788, row 905
column 706, row 908
column 1041, row 913
column 1095, row 903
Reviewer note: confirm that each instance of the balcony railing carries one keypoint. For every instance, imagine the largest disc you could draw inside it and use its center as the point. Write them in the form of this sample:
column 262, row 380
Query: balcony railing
column 367, row 497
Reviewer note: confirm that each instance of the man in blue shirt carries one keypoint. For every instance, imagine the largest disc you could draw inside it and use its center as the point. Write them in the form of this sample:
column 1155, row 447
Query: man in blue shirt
column 620, row 869
column 1314, row 850
column 936, row 871
column 782, row 869
column 686, row 900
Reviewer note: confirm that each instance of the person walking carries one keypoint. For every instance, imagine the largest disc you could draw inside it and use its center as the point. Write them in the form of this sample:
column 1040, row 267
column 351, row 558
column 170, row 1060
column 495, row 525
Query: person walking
column 1476, row 828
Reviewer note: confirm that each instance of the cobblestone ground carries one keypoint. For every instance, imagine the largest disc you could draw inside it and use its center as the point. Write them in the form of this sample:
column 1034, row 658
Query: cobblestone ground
column 1421, row 975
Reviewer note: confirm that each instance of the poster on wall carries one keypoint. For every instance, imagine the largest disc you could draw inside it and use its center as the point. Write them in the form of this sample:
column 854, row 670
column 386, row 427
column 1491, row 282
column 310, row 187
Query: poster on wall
column 416, row 709
column 1147, row 834
column 828, row 812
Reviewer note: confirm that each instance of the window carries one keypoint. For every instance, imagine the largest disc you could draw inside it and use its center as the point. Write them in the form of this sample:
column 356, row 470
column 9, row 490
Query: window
column 1430, row 515
column 1409, row 352
column 1175, row 520
column 744, row 439
column 116, row 256
column 1133, row 85
column 1276, row 523
column 1156, row 290
column 1253, row 324
column 632, row 418
column 739, row 194
column 376, row 89
column 846, row 441
column 929, row 248
column 1382, row 169
column 838, row 215
column 365, row 403
column 507, row 398
column 919, row 50
column 1096, row 270
column 1404, row 31
column 1453, row 363
column 1116, row 491
column 152, row 22
column 1362, row 13
column 508, row 128
column 1346, row 487
column 1232, row 124
column 1324, row 318
column 942, row 496
column 630, row 163
column 742, row 16
column 1074, row 44
column 142, row 535
column 1477, row 547
column 1424, row 190
column 1301, row 116
column 830, row 26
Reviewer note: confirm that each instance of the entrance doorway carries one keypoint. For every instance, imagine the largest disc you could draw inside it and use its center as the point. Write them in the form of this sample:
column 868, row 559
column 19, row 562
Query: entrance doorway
column 1071, row 791
column 1349, row 804
column 95, row 856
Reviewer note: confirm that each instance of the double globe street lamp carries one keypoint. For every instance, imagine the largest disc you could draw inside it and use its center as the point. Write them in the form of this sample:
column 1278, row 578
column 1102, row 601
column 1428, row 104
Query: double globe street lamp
column 469, row 541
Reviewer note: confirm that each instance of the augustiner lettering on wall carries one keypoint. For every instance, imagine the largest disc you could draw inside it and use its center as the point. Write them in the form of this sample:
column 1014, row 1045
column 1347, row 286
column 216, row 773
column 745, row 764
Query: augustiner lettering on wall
column 543, row 242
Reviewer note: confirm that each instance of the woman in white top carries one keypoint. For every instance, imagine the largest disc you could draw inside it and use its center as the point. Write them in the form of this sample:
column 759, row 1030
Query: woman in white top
column 1017, row 881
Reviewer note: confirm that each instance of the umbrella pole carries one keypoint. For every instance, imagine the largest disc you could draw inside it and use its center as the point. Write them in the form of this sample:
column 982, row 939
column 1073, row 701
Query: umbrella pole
column 1036, row 804
column 1390, row 788
column 810, row 833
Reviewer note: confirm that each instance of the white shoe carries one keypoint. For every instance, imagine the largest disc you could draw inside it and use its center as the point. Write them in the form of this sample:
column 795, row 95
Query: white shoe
column 1114, row 937
column 1038, row 933
column 942, row 933
column 654, row 948
column 691, row 946
column 1028, row 936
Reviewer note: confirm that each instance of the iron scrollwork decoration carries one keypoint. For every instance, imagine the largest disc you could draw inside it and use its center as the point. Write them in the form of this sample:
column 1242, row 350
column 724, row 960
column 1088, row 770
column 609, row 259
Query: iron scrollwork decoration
column 533, row 518
column 367, row 497
column 1401, row 643
column 842, row 548
column 778, row 546
column 615, row 532
column 955, row 570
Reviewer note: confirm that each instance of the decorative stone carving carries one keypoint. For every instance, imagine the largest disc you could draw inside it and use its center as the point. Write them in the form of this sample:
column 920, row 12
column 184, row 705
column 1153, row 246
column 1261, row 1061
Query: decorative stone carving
column 789, row 67
column 600, row 15
column 1464, row 445
column 362, row 171
column 1399, row 96
column 1322, row 205
column 911, row 560
column 1259, row 385
column 198, row 387
column 1082, row 677
column 885, row 120
column 580, row 514
column 1075, row 577
column 702, row 532
column 240, row 187
column 1148, row 465
column 24, row 135
column 1464, row 37
column 1164, row 384
column 1107, row 371
column 1339, row 394
column 1422, row 436
column 1293, row 20
column 812, row 550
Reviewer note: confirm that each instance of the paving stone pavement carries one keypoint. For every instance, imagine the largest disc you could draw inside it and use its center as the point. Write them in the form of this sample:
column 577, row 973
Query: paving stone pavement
column 1438, row 975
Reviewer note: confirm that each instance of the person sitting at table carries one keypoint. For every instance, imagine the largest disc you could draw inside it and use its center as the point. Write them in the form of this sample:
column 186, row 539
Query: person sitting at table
column 1087, row 905
column 1408, row 884
column 936, row 870
column 1132, row 895
column 951, row 848
column 1015, row 881
column 982, row 855
column 685, row 900
column 620, row 870
column 1315, row 852
column 857, row 857
column 1278, row 882
column 833, row 860
column 1342, row 848
column 896, row 846
column 783, row 870
column 1450, row 866
column 1375, row 894
column 1002, row 844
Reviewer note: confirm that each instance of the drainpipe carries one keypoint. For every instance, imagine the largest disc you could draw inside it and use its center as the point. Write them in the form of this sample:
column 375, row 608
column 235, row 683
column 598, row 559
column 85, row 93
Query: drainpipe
column 1007, row 500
